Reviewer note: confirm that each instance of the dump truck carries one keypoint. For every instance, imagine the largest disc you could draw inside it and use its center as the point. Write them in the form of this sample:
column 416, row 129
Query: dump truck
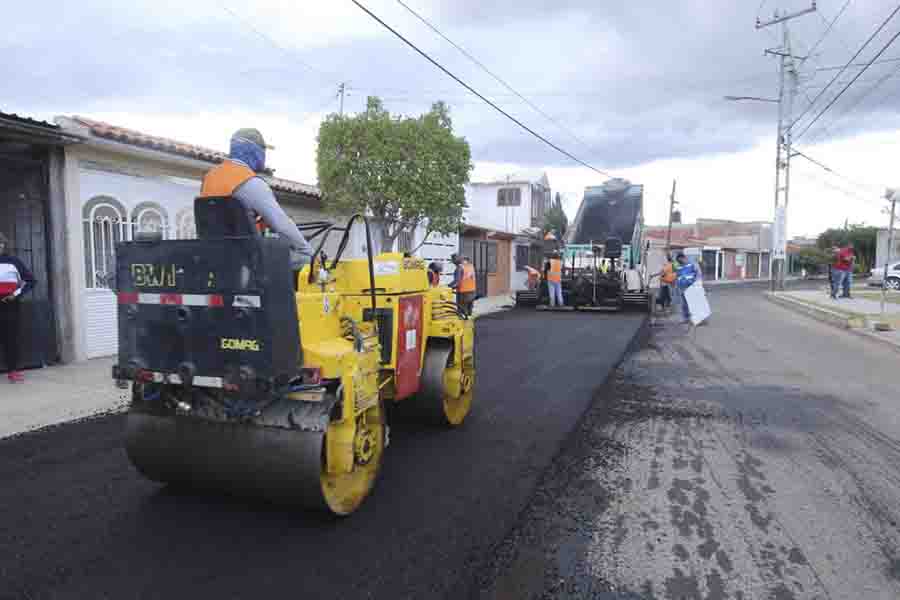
column 603, row 255
column 249, row 378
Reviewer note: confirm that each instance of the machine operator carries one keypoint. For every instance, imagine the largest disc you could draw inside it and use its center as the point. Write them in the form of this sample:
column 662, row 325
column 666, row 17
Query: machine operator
column 238, row 177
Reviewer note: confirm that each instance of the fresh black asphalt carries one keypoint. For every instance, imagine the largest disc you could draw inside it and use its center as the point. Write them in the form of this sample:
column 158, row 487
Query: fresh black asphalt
column 76, row 520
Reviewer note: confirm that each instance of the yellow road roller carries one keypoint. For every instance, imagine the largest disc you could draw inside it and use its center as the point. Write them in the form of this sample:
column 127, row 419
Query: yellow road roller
column 253, row 379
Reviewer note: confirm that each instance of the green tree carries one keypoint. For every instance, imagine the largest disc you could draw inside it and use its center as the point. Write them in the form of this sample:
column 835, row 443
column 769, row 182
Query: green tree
column 555, row 219
column 402, row 171
column 863, row 237
column 814, row 260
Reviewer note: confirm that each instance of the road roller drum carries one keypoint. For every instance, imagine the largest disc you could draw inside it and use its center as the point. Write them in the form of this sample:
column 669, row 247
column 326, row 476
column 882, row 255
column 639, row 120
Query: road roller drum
column 251, row 379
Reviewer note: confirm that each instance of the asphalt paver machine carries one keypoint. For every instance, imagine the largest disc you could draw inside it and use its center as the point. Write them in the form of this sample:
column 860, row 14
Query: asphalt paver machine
column 250, row 380
column 604, row 257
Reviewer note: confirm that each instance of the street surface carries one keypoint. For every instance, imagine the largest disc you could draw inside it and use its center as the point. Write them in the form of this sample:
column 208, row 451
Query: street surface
column 756, row 458
column 78, row 522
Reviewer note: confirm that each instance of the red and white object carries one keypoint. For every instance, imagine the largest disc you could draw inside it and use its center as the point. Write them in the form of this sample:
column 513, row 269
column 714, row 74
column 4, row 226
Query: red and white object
column 208, row 300
column 10, row 279
column 409, row 346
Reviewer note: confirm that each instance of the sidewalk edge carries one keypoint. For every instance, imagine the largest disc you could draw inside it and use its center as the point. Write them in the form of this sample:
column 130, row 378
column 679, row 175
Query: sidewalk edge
column 823, row 315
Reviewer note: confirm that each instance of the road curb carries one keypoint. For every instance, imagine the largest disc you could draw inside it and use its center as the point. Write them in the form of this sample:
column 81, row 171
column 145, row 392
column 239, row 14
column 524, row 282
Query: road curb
column 819, row 313
column 830, row 317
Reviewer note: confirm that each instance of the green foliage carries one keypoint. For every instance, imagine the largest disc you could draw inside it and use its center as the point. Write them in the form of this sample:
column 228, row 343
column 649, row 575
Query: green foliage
column 814, row 260
column 863, row 237
column 555, row 219
column 403, row 171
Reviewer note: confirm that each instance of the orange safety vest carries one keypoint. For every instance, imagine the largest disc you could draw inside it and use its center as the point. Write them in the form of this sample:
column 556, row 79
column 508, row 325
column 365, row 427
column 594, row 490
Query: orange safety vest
column 555, row 272
column 224, row 179
column 467, row 281
column 668, row 273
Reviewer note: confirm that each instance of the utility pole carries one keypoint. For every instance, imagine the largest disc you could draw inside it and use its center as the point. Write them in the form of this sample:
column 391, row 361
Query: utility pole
column 787, row 91
column 893, row 196
column 341, row 89
column 672, row 204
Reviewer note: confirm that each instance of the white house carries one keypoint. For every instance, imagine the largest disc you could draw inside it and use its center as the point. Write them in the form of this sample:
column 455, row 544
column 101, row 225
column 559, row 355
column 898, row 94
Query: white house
column 119, row 182
column 503, row 221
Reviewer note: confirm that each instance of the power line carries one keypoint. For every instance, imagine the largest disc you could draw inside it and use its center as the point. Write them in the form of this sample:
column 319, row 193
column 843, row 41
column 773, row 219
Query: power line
column 828, row 28
column 877, row 62
column 846, row 87
column 267, row 38
column 849, row 62
column 496, row 77
column 846, row 192
column 862, row 97
column 832, row 171
column 474, row 91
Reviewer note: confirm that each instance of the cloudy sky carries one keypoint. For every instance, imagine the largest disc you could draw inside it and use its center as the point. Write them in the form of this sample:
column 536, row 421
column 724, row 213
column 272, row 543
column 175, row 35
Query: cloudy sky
column 635, row 88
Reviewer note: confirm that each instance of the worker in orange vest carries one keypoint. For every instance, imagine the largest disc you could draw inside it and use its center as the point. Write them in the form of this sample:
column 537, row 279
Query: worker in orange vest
column 237, row 177
column 553, row 275
column 464, row 283
column 666, row 279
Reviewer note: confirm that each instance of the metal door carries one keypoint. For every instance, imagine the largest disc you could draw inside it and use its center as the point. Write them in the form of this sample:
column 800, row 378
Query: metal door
column 23, row 198
column 480, row 258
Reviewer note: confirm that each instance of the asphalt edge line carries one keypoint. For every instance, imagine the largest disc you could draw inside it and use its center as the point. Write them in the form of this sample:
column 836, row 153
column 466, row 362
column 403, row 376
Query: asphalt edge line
column 486, row 567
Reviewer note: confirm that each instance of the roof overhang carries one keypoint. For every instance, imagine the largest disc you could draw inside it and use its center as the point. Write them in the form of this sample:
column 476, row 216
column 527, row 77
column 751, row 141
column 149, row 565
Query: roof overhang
column 34, row 132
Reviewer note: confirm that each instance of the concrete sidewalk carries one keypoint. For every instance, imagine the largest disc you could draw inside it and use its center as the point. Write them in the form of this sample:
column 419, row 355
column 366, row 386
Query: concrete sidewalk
column 58, row 394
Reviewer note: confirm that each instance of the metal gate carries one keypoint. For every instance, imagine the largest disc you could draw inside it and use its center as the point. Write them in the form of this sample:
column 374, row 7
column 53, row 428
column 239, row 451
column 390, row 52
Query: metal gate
column 481, row 254
column 23, row 219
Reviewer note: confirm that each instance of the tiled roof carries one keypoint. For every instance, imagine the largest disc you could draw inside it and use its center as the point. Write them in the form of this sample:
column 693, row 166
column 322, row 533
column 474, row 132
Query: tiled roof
column 27, row 120
column 170, row 146
column 136, row 138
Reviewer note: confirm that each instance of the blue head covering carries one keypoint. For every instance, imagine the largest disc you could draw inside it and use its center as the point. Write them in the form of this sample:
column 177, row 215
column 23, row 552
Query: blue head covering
column 248, row 152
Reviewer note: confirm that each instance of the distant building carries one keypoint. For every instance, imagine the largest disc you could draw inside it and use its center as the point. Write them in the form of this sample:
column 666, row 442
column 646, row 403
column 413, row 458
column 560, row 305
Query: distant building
column 725, row 249
column 502, row 229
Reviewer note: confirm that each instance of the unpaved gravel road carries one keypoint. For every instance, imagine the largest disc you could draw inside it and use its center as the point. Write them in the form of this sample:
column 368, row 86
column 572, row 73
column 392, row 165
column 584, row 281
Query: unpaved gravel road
column 759, row 458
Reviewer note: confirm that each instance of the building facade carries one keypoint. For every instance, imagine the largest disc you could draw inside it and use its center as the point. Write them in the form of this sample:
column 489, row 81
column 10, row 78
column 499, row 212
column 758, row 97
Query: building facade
column 32, row 216
column 119, row 183
column 725, row 250
column 502, row 232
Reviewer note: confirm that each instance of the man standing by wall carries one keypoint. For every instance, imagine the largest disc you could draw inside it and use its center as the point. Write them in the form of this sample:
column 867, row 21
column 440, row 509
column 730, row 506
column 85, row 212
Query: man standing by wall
column 15, row 280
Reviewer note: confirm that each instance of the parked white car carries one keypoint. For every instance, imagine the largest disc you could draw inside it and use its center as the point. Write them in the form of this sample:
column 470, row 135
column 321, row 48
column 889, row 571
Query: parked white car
column 893, row 277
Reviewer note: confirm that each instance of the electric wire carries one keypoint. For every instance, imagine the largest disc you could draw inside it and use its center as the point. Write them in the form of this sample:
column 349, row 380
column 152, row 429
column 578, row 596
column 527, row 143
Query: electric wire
column 828, row 27
column 496, row 77
column 849, row 62
column 262, row 35
column 859, row 100
column 427, row 57
column 846, row 87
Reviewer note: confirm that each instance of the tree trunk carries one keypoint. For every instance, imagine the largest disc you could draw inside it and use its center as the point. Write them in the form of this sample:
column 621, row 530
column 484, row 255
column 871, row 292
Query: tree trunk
column 387, row 240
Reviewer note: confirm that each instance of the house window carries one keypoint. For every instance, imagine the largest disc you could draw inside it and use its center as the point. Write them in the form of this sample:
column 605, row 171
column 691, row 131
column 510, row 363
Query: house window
column 509, row 197
column 149, row 217
column 522, row 257
column 185, row 226
column 104, row 224
column 540, row 201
